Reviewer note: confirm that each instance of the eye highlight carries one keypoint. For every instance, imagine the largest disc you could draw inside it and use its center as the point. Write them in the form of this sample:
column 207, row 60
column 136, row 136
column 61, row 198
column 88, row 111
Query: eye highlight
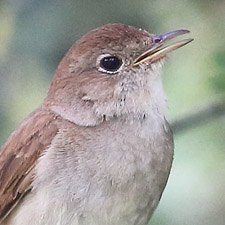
column 110, row 64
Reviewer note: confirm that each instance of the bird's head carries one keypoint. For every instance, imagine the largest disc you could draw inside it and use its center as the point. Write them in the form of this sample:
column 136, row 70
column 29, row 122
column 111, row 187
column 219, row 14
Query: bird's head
column 113, row 71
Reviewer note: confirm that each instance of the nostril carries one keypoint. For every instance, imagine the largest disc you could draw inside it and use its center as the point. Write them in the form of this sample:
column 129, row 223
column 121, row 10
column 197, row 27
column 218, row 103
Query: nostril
column 157, row 40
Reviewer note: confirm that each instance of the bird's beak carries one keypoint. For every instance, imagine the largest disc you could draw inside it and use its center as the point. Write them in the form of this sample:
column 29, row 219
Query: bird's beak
column 158, row 49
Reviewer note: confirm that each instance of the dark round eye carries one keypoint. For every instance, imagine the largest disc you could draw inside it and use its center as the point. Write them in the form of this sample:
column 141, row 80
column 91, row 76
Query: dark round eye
column 110, row 63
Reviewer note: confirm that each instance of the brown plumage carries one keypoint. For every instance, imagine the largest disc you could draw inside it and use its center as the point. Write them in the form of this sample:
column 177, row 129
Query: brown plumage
column 19, row 156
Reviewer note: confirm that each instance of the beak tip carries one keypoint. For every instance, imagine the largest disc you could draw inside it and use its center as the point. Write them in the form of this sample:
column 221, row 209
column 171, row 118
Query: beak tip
column 190, row 40
column 185, row 31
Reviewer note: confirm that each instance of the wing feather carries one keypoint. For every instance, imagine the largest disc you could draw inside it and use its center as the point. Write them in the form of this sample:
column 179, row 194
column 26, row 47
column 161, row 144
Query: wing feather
column 18, row 157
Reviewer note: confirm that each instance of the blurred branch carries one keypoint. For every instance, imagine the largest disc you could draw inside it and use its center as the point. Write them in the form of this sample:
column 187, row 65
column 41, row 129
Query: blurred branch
column 207, row 112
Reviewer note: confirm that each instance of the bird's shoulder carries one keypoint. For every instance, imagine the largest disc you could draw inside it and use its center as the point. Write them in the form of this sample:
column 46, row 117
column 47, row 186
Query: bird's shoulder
column 18, row 156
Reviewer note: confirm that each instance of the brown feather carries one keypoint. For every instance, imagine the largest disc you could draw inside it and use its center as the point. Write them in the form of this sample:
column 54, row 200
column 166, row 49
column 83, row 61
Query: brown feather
column 19, row 155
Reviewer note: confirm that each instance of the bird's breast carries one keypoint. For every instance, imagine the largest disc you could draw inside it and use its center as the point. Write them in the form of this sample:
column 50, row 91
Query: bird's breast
column 111, row 174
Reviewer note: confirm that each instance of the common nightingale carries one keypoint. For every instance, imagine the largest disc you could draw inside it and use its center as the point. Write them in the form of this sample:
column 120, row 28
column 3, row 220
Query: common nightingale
column 98, row 151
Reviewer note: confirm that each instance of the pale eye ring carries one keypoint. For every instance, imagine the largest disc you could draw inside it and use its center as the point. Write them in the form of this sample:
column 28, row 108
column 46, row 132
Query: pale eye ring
column 109, row 63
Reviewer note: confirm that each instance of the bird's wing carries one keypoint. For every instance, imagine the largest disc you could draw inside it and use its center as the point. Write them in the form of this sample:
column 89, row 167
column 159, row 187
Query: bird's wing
column 18, row 157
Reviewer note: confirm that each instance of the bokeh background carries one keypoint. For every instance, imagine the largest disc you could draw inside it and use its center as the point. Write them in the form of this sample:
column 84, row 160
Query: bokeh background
column 34, row 36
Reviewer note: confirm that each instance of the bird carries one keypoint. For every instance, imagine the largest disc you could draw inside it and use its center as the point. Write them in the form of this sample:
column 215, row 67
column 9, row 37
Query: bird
column 99, row 149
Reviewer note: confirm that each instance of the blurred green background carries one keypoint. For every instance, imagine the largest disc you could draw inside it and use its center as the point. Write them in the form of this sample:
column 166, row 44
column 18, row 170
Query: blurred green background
column 34, row 36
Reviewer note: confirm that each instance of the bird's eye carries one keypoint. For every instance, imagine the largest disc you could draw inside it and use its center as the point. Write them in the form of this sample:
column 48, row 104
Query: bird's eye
column 110, row 64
